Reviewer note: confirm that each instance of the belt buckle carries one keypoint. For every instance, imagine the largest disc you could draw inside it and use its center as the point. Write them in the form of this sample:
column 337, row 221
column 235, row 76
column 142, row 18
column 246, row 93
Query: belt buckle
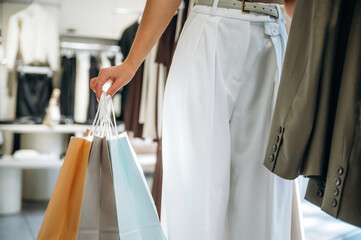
column 243, row 7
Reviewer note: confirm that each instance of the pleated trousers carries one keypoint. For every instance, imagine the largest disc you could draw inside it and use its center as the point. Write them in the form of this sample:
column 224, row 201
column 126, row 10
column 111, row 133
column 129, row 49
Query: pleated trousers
column 218, row 106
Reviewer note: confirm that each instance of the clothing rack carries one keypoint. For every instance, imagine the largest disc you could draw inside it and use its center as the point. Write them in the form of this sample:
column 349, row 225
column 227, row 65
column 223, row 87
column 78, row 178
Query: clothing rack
column 35, row 70
column 89, row 47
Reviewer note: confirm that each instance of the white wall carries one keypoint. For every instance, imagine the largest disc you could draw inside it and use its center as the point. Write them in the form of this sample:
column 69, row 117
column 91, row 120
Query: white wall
column 97, row 18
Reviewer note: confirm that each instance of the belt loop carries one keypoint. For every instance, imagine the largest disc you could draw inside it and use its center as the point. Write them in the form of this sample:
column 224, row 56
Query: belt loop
column 281, row 13
column 214, row 7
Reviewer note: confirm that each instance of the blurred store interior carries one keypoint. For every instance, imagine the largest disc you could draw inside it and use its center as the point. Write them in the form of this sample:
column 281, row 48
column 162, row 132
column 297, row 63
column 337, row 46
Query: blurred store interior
column 45, row 100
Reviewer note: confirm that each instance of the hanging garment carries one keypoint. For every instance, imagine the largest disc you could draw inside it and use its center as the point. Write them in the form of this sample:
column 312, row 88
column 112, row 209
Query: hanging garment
column 166, row 43
column 81, row 87
column 132, row 107
column 112, row 60
column 218, row 105
column 34, row 92
column 125, row 43
column 67, row 86
column 131, row 93
column 158, row 180
column 317, row 119
column 93, row 102
column 34, row 34
column 105, row 61
column 164, row 58
column 117, row 98
column 148, row 109
column 3, row 85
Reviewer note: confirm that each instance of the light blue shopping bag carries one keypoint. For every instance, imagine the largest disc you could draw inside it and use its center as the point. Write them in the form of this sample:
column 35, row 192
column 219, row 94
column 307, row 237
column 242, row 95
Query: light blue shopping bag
column 137, row 215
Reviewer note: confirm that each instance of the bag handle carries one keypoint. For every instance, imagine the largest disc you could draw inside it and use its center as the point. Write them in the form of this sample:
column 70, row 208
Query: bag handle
column 104, row 123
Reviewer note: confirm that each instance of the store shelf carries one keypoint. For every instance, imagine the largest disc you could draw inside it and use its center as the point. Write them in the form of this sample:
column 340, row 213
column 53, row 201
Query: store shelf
column 147, row 162
column 40, row 128
column 9, row 162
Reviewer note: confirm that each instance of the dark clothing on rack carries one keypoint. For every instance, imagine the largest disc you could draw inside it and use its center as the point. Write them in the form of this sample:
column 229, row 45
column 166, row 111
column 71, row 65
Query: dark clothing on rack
column 316, row 128
column 34, row 92
column 112, row 60
column 158, row 179
column 125, row 43
column 166, row 46
column 93, row 102
column 118, row 93
column 131, row 117
column 67, row 86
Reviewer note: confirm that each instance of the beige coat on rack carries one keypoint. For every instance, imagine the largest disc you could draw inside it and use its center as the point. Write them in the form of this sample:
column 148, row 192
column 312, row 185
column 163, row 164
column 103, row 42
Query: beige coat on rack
column 148, row 105
column 3, row 88
column 81, row 100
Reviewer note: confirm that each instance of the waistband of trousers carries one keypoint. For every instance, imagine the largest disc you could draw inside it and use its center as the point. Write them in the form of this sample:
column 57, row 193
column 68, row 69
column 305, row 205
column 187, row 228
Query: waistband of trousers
column 240, row 15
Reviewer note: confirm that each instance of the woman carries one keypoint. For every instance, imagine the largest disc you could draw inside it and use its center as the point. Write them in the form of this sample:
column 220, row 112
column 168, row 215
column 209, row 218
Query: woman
column 218, row 106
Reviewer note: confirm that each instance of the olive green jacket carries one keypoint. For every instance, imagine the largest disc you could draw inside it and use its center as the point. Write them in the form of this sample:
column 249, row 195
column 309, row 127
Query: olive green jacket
column 316, row 127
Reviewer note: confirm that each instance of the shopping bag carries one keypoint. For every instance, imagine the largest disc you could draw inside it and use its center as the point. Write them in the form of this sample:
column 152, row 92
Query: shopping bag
column 98, row 220
column 108, row 214
column 61, row 220
column 90, row 210
column 137, row 215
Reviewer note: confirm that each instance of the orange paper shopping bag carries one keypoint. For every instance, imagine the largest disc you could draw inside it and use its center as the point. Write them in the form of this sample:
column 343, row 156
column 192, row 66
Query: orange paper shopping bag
column 61, row 220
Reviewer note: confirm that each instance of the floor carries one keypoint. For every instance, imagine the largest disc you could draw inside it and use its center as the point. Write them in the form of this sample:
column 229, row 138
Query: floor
column 25, row 225
column 318, row 225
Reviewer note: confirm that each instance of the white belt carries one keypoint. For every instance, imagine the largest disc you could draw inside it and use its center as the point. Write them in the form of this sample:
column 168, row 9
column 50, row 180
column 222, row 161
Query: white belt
column 245, row 6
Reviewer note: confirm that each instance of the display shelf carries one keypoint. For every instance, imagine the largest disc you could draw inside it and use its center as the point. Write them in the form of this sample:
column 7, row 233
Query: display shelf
column 41, row 128
column 147, row 161
column 9, row 161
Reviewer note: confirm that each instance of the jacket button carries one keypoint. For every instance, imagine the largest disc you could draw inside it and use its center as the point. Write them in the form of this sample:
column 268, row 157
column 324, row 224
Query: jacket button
column 337, row 181
column 334, row 203
column 274, row 148
column 277, row 139
column 280, row 130
column 320, row 193
column 340, row 171
column 336, row 192
column 271, row 157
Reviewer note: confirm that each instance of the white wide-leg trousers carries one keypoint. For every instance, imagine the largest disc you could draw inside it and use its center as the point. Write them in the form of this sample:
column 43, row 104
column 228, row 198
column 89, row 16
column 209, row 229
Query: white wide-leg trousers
column 218, row 106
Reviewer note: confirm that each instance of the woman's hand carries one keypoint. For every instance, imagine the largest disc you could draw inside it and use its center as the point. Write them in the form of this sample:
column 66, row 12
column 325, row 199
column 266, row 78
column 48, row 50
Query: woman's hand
column 118, row 75
column 156, row 16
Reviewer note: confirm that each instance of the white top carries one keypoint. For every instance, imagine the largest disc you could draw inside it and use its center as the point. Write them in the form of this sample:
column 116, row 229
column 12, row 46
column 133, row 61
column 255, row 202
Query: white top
column 34, row 34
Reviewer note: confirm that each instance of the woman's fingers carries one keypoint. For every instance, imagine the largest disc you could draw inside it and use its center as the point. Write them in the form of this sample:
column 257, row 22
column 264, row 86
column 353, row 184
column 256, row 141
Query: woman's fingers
column 114, row 88
column 99, row 85
column 92, row 83
column 119, row 75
